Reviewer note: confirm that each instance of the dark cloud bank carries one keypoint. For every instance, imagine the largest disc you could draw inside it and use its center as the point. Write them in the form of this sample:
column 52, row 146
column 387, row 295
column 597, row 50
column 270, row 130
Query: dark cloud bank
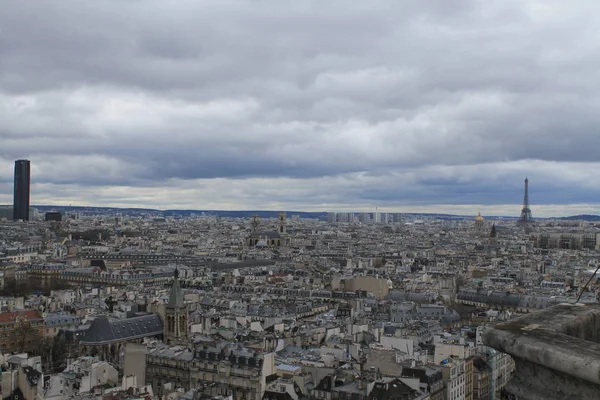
column 309, row 104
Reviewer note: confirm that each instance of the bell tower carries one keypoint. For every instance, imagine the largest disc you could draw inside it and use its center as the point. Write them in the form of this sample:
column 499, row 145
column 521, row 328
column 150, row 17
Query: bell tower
column 282, row 223
column 255, row 223
column 283, row 233
column 176, row 316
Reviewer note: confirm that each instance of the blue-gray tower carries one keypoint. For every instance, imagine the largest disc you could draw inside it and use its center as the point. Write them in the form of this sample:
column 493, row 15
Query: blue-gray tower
column 21, row 193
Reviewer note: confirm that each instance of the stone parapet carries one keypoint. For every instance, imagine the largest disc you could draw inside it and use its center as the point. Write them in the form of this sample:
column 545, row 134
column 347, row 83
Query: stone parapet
column 556, row 352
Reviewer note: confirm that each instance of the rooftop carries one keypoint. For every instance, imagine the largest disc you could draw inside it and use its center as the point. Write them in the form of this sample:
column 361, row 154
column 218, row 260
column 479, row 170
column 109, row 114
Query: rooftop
column 104, row 330
column 11, row 317
column 556, row 352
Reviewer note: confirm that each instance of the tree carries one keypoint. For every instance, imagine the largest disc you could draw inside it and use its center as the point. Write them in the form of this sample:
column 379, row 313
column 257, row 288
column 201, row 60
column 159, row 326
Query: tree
column 54, row 352
column 25, row 338
column 110, row 302
column 459, row 282
column 45, row 350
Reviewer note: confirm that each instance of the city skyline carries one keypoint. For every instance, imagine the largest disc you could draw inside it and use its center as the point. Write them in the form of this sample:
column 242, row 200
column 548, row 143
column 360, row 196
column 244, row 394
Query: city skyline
column 452, row 210
column 404, row 106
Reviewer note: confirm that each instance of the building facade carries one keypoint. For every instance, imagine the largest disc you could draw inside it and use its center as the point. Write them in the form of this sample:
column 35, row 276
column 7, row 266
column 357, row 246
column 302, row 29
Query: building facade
column 567, row 240
column 19, row 329
column 221, row 368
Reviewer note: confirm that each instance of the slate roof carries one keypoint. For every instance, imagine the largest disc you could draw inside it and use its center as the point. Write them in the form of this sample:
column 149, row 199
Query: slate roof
column 53, row 320
column 32, row 375
column 394, row 389
column 105, row 331
column 266, row 234
column 173, row 353
column 241, row 264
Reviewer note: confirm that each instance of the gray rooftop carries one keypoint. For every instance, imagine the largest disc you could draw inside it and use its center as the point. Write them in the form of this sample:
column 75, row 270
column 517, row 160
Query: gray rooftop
column 104, row 330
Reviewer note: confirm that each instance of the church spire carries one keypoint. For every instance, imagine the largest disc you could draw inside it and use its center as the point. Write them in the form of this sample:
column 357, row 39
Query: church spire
column 176, row 295
column 176, row 315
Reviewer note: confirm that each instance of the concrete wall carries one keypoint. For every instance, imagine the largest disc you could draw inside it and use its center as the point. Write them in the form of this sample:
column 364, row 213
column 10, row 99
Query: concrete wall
column 556, row 352
column 392, row 342
column 378, row 286
column 384, row 360
column 135, row 362
column 9, row 383
column 29, row 392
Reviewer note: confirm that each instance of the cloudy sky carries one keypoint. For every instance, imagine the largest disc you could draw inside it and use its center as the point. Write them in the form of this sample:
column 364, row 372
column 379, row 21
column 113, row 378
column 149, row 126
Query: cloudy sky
column 405, row 105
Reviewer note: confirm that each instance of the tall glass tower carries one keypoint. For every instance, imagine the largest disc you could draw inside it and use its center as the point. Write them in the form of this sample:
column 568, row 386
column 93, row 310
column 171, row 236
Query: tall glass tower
column 21, row 195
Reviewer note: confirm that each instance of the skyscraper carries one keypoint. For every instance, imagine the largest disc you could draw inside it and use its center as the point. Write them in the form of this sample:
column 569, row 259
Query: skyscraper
column 21, row 194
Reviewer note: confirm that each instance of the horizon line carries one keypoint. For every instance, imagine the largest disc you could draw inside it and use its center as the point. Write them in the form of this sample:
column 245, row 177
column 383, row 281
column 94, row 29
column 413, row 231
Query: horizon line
column 291, row 211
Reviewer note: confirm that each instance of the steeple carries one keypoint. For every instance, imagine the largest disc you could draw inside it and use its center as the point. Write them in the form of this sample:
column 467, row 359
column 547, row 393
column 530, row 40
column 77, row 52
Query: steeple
column 176, row 326
column 176, row 295
column 493, row 233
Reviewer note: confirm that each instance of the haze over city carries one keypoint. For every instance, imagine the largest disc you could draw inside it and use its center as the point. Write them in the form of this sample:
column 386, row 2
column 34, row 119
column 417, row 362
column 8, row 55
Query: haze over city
column 409, row 106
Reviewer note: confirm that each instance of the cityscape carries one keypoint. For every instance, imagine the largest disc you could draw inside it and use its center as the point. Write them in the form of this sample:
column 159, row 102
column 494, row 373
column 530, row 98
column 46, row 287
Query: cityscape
column 309, row 200
column 326, row 306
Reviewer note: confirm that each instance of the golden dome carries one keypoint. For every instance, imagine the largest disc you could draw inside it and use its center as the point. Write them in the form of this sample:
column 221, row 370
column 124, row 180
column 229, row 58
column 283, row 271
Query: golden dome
column 479, row 217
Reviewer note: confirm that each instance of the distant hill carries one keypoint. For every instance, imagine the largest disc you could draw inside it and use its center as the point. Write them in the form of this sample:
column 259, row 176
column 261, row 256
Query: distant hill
column 582, row 217
column 88, row 210
column 85, row 210
column 243, row 214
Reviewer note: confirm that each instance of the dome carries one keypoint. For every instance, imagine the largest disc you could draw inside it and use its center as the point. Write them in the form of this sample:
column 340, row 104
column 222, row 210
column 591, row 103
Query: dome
column 479, row 217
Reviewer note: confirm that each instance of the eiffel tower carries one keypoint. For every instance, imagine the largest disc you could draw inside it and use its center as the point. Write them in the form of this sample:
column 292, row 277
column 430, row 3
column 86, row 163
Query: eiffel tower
column 526, row 217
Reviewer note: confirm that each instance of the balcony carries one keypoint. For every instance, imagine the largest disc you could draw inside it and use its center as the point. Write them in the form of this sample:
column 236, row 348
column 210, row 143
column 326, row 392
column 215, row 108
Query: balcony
column 556, row 352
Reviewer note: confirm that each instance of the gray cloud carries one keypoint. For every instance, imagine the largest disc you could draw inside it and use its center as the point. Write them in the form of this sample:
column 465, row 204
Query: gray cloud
column 405, row 102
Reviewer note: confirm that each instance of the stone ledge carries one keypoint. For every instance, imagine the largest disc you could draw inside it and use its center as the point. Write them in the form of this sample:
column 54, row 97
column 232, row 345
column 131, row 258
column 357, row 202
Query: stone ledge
column 556, row 352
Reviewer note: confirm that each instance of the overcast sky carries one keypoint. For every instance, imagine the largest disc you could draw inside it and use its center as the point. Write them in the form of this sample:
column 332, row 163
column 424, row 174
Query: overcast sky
column 405, row 105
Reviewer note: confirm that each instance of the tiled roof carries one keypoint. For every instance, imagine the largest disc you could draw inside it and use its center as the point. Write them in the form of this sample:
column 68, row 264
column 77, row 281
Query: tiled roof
column 10, row 317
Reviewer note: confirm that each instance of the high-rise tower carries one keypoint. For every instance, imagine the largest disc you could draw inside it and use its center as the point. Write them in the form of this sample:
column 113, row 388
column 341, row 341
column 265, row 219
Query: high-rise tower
column 21, row 193
column 526, row 211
